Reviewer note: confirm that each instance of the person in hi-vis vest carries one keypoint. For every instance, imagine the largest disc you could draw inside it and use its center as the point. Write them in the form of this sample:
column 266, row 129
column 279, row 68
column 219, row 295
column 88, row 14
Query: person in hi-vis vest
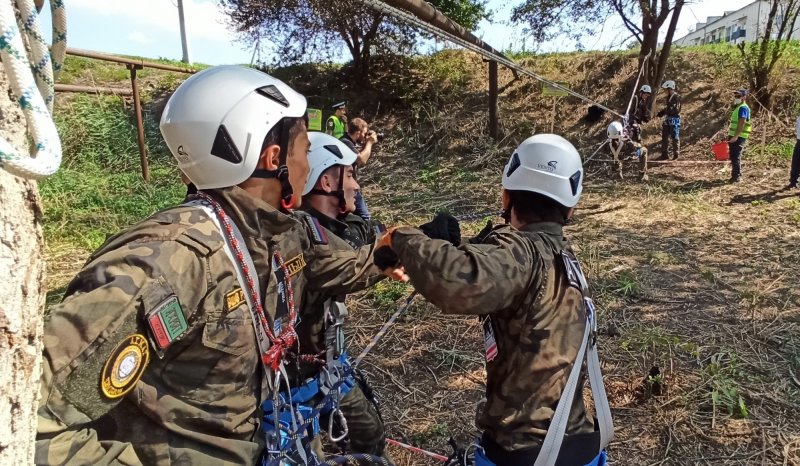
column 335, row 126
column 738, row 132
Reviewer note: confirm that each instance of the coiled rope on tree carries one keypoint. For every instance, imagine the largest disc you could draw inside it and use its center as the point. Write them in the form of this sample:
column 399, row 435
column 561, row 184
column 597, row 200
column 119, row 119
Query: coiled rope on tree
column 32, row 81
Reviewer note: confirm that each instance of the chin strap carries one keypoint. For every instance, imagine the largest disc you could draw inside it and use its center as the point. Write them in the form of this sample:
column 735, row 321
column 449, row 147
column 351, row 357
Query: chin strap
column 506, row 215
column 282, row 172
column 339, row 193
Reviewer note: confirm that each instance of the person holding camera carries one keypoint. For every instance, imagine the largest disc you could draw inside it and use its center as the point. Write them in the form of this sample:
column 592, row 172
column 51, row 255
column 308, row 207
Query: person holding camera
column 360, row 139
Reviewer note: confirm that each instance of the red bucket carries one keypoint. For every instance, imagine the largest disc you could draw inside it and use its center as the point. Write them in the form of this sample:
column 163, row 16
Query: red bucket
column 720, row 150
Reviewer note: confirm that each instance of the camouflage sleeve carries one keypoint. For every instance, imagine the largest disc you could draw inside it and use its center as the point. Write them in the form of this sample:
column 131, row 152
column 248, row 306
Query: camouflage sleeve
column 102, row 310
column 471, row 278
column 337, row 268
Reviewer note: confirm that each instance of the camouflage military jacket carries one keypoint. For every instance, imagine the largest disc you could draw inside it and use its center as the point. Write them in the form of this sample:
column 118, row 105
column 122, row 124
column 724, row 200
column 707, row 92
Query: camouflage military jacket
column 355, row 233
column 151, row 358
column 673, row 107
column 641, row 112
column 517, row 280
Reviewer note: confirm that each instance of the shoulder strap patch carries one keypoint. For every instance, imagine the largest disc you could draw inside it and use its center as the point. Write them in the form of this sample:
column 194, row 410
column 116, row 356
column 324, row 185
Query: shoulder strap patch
column 315, row 230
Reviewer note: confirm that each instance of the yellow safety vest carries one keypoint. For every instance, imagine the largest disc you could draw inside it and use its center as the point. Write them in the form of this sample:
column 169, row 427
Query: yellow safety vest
column 338, row 126
column 735, row 123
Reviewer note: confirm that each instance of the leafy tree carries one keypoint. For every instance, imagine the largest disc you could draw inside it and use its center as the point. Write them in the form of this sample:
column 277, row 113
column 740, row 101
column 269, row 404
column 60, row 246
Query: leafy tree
column 760, row 57
column 316, row 29
column 643, row 20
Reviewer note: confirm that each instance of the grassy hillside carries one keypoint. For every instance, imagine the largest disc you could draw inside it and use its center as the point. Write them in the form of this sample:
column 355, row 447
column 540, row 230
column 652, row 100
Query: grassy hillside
column 691, row 274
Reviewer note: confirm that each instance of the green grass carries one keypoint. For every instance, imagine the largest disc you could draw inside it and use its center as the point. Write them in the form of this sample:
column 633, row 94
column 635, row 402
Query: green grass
column 724, row 374
column 387, row 292
column 99, row 190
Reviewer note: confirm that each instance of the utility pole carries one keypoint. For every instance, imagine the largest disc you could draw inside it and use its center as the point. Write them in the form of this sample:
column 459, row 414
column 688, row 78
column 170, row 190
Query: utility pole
column 184, row 41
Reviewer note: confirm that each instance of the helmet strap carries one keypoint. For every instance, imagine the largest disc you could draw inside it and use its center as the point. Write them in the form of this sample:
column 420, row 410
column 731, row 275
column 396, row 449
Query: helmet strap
column 282, row 172
column 339, row 193
column 506, row 215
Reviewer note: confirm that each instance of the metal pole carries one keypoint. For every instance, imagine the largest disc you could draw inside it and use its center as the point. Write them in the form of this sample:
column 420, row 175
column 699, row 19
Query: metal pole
column 92, row 89
column 184, row 41
column 126, row 61
column 137, row 105
column 493, row 99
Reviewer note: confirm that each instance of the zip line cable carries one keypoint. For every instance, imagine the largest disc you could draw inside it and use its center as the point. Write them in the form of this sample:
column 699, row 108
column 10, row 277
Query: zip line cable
column 413, row 20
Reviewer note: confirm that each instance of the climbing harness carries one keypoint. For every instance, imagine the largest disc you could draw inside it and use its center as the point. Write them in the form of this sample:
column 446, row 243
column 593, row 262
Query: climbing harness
column 272, row 345
column 551, row 445
column 292, row 418
column 287, row 420
column 33, row 85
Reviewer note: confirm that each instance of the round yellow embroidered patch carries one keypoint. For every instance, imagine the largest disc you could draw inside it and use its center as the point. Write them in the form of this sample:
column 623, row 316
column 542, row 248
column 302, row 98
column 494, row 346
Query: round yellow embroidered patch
column 125, row 366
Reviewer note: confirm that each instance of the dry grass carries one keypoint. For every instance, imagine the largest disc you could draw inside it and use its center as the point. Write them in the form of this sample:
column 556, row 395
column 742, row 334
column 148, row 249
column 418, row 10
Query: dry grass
column 691, row 274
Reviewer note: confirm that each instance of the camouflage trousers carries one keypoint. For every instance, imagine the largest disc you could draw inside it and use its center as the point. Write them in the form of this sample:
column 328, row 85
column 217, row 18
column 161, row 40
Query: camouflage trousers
column 670, row 133
column 365, row 428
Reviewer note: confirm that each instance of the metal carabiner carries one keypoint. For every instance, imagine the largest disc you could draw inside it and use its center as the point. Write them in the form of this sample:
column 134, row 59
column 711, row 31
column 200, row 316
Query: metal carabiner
column 337, row 411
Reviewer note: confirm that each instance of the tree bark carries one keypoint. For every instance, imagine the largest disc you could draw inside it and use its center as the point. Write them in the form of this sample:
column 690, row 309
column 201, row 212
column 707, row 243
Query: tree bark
column 22, row 294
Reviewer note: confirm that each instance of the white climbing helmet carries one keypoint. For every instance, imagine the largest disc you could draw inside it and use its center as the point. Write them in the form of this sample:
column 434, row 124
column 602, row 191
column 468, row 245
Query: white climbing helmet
column 615, row 130
column 546, row 164
column 646, row 89
column 326, row 151
column 669, row 84
column 216, row 121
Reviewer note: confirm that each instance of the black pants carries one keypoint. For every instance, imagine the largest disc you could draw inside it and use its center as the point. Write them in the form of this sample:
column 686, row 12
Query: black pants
column 670, row 133
column 736, row 149
column 794, row 174
column 576, row 450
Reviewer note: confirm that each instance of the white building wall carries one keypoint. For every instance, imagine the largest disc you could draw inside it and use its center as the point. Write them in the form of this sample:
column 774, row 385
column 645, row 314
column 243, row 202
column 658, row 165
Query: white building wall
column 742, row 25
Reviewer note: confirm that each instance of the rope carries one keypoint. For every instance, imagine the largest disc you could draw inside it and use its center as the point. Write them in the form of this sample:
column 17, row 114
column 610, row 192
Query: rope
column 418, row 450
column 357, row 458
column 385, row 328
column 413, row 20
column 402, row 308
column 33, row 84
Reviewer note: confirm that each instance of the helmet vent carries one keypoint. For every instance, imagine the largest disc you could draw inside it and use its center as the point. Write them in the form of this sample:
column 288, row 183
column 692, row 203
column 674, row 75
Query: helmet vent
column 272, row 92
column 575, row 182
column 224, row 147
column 513, row 164
column 334, row 150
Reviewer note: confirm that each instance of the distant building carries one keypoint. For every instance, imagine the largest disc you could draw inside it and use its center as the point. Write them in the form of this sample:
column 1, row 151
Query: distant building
column 743, row 25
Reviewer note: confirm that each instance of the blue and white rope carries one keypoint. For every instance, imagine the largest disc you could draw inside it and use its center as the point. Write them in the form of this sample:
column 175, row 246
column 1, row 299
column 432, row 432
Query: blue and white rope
column 32, row 84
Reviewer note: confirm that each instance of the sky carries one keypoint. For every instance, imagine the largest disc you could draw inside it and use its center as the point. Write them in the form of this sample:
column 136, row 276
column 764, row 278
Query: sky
column 149, row 28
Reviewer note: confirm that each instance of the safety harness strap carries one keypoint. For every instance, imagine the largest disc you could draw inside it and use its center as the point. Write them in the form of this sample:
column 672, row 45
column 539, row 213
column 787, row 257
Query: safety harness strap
column 551, row 446
column 262, row 337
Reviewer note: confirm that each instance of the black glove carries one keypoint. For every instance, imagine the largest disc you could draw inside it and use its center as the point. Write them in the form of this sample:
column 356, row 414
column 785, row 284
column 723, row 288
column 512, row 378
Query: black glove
column 483, row 234
column 385, row 258
column 443, row 226
column 661, row 113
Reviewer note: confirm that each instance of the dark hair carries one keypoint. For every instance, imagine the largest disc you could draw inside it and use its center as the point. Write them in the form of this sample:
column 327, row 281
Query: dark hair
column 275, row 133
column 531, row 207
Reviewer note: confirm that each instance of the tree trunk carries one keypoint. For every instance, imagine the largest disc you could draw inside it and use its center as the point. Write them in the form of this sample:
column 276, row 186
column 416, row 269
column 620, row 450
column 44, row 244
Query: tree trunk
column 22, row 294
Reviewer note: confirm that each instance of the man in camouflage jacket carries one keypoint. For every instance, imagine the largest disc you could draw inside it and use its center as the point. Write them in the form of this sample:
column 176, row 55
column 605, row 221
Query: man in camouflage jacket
column 532, row 312
column 151, row 358
column 329, row 197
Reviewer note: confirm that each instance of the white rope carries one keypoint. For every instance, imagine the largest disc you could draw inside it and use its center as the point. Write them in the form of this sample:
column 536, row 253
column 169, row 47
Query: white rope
column 413, row 20
column 32, row 84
